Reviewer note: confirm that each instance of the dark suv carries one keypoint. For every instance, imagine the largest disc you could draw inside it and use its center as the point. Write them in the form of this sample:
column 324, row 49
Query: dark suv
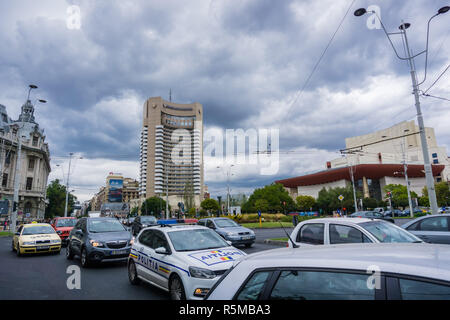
column 99, row 240
column 141, row 222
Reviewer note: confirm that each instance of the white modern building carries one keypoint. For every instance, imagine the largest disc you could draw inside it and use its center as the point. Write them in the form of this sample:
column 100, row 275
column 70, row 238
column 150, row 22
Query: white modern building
column 171, row 151
column 376, row 160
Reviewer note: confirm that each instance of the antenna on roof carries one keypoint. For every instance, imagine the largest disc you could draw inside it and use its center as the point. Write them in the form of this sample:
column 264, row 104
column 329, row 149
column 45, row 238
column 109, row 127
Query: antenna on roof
column 170, row 94
column 293, row 243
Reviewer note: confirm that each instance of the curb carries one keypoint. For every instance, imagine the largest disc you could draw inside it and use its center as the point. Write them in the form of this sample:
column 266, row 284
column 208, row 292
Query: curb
column 279, row 243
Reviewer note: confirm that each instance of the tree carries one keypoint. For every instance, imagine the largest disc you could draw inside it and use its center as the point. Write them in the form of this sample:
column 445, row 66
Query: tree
column 56, row 196
column 305, row 203
column 371, row 203
column 328, row 200
column 261, row 205
column 188, row 196
column 399, row 194
column 210, row 204
column 153, row 206
column 134, row 211
column 442, row 195
column 274, row 194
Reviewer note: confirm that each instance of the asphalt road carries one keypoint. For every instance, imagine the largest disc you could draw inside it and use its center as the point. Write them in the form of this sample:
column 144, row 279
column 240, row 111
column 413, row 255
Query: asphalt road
column 41, row 277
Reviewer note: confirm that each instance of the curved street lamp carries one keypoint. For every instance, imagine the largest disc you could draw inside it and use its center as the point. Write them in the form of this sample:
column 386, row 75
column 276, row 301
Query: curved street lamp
column 410, row 58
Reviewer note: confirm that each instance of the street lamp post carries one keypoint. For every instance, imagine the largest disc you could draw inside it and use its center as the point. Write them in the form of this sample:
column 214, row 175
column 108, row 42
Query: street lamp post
column 228, row 186
column 415, row 85
column 67, row 184
column 17, row 173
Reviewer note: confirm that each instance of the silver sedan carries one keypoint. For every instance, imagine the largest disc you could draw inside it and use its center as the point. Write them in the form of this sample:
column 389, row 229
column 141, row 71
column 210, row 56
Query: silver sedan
column 372, row 271
column 431, row 228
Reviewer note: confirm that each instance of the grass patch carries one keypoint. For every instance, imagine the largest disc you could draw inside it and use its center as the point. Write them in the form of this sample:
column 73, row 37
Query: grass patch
column 255, row 225
column 5, row 234
column 279, row 239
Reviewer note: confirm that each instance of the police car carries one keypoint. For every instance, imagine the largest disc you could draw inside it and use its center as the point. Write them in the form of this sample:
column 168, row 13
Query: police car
column 185, row 260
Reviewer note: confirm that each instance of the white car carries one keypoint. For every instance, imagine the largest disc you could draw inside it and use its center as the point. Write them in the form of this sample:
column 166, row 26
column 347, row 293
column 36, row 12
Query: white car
column 348, row 230
column 185, row 260
column 374, row 271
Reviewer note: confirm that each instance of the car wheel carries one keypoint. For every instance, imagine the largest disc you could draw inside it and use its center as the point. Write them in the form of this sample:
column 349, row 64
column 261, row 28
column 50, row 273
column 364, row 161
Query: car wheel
column 248, row 245
column 177, row 289
column 12, row 246
column 18, row 250
column 132, row 273
column 69, row 253
column 84, row 258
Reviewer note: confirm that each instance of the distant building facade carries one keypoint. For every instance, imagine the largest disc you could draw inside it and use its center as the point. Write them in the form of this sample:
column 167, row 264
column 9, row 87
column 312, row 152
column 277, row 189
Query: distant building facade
column 118, row 190
column 376, row 161
column 34, row 166
column 171, row 160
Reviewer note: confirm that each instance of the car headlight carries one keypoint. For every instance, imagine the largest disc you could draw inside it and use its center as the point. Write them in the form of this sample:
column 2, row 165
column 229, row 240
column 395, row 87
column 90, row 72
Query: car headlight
column 144, row 226
column 55, row 241
column 96, row 243
column 231, row 234
column 132, row 241
column 201, row 273
column 29, row 243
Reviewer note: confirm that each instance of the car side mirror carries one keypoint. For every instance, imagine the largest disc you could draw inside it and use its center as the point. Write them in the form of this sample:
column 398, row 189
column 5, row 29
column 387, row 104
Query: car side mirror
column 161, row 250
column 79, row 232
column 17, row 233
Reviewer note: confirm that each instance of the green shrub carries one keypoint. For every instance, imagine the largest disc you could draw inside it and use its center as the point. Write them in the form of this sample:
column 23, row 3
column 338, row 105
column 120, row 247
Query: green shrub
column 420, row 214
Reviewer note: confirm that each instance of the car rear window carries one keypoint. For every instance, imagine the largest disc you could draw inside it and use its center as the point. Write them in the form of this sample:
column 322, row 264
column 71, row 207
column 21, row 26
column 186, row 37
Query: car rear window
column 311, row 233
column 319, row 285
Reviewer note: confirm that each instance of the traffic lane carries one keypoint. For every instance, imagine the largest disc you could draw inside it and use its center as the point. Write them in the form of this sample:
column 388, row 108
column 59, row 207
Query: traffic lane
column 43, row 276
column 269, row 233
column 257, row 247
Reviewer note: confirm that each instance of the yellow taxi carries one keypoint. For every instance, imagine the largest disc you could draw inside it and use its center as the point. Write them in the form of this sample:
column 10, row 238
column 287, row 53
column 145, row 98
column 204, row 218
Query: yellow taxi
column 36, row 238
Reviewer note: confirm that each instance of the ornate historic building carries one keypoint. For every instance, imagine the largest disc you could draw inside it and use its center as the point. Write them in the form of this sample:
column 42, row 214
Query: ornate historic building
column 34, row 163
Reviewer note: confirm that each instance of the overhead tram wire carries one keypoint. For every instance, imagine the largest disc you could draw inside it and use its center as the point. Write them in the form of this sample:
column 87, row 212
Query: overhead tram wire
column 319, row 60
column 437, row 79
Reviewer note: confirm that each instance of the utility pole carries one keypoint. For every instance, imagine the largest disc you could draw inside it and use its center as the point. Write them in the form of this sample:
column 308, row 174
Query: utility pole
column 423, row 139
column 17, row 173
column 405, row 168
column 353, row 179
column 167, row 192
column 67, row 186
column 410, row 58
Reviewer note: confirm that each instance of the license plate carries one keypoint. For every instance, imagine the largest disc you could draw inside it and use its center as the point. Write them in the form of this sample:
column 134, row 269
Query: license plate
column 245, row 238
column 119, row 252
column 43, row 248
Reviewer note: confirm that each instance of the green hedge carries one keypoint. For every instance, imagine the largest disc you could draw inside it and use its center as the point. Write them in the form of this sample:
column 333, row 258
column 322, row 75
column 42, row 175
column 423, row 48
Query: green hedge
column 267, row 217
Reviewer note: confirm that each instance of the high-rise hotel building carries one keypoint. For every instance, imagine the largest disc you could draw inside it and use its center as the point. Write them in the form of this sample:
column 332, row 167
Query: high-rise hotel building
column 172, row 151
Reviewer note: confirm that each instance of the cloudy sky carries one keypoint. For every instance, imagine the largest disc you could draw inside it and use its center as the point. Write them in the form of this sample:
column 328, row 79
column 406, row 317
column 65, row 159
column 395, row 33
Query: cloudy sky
column 251, row 64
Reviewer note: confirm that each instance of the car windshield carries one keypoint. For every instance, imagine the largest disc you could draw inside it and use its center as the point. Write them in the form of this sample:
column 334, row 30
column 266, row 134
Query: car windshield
column 148, row 219
column 105, row 225
column 37, row 230
column 65, row 222
column 196, row 239
column 225, row 223
column 388, row 232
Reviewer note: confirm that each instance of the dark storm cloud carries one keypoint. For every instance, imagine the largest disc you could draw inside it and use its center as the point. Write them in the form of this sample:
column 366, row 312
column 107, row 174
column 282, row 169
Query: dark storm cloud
column 244, row 61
